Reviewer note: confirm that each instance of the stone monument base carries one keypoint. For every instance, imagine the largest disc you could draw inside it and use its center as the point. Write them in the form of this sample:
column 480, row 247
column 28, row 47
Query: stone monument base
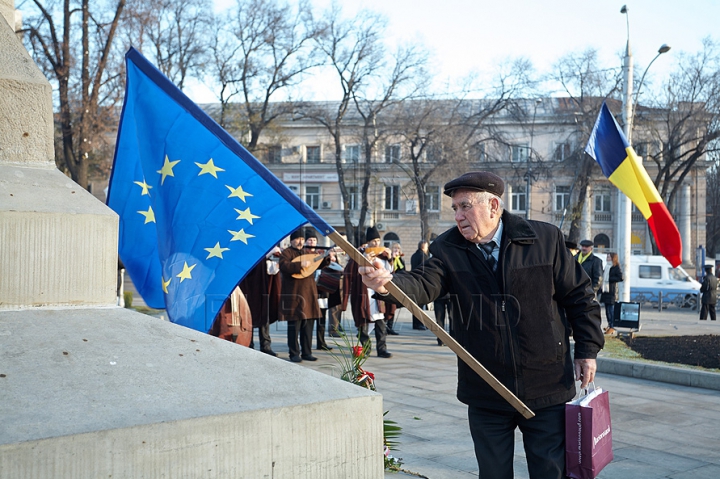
column 106, row 392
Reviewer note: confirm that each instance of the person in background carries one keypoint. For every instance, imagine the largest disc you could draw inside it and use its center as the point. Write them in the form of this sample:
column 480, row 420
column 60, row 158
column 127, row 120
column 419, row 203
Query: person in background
column 366, row 310
column 311, row 242
column 298, row 299
column 709, row 294
column 591, row 264
column 510, row 277
column 611, row 277
column 416, row 260
column 398, row 264
column 261, row 287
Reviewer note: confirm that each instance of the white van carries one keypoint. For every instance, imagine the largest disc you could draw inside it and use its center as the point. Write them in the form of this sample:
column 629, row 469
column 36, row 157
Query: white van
column 651, row 276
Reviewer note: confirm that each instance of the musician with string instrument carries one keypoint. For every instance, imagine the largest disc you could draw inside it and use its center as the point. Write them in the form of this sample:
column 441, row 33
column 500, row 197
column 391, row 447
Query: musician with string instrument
column 367, row 310
column 311, row 248
column 299, row 298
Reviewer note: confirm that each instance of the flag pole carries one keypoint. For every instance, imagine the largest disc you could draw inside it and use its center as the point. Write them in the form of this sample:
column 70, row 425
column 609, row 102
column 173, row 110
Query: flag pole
column 443, row 336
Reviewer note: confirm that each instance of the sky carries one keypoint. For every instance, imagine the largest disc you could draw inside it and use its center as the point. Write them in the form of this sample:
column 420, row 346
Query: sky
column 466, row 36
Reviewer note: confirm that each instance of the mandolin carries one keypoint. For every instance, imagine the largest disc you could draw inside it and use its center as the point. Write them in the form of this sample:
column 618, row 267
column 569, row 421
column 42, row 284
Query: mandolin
column 314, row 259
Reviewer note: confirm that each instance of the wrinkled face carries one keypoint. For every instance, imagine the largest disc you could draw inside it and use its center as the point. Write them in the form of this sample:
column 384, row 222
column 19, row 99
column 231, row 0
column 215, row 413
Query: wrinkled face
column 375, row 242
column 297, row 243
column 475, row 219
column 311, row 242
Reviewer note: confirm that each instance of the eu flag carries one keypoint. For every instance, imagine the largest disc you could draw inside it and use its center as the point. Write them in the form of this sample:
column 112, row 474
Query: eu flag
column 619, row 163
column 197, row 210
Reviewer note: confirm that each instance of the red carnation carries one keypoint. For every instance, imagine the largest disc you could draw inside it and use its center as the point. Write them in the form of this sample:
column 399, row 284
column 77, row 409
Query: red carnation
column 357, row 351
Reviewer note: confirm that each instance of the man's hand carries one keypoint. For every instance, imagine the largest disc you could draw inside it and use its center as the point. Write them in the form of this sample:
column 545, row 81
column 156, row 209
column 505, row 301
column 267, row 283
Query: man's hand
column 585, row 371
column 375, row 279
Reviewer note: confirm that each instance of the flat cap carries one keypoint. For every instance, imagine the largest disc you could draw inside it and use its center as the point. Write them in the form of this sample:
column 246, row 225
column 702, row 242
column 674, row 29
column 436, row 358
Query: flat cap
column 586, row 243
column 477, row 180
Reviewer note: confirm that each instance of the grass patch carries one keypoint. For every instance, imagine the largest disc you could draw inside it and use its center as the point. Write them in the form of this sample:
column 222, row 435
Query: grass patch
column 146, row 310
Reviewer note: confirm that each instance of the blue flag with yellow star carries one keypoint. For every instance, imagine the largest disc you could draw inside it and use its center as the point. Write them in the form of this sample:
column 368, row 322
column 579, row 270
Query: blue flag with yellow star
column 197, row 210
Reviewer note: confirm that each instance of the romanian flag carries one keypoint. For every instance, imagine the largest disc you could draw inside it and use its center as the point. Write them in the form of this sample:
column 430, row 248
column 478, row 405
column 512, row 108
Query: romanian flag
column 619, row 162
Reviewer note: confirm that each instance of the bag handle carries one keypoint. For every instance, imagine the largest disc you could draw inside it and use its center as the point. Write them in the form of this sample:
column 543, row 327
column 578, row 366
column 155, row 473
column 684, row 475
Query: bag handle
column 586, row 391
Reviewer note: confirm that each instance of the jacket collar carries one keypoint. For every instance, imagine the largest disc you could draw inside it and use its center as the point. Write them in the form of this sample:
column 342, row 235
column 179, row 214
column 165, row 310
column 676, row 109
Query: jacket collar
column 515, row 229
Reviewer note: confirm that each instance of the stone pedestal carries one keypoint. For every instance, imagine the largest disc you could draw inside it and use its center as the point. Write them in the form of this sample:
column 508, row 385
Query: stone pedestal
column 90, row 390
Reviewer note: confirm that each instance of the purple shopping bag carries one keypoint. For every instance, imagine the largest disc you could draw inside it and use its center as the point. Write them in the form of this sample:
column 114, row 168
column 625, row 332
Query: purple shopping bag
column 588, row 435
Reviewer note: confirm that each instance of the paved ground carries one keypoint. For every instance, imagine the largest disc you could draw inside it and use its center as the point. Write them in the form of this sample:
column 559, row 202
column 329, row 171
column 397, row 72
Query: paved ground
column 659, row 430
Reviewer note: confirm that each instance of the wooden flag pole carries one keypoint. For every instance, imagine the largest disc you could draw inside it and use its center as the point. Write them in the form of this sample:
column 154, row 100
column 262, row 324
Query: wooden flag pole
column 448, row 340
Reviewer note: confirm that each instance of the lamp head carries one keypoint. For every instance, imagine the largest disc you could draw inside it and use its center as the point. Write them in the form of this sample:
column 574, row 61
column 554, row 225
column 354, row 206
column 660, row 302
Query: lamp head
column 664, row 48
column 624, row 9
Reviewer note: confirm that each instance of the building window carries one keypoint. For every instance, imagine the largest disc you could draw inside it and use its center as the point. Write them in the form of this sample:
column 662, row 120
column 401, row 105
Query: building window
column 562, row 151
column 274, row 154
column 650, row 272
column 562, row 197
column 353, row 198
column 392, row 153
column 641, row 149
column 518, row 198
column 312, row 196
column 392, row 197
column 352, row 154
column 434, row 153
column 312, row 154
column 432, row 198
column 519, row 153
column 478, row 152
column 602, row 202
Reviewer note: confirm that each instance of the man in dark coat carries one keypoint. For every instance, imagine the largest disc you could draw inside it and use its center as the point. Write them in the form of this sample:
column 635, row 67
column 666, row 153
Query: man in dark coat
column 262, row 291
column 298, row 299
column 509, row 278
column 365, row 309
column 416, row 260
column 591, row 264
column 709, row 294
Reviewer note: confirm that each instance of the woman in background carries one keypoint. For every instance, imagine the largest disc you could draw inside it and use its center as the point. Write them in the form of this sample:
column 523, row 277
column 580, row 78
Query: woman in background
column 611, row 277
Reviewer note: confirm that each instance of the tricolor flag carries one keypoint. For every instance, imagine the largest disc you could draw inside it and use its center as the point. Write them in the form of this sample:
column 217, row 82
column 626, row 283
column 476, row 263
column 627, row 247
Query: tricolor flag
column 197, row 210
column 619, row 162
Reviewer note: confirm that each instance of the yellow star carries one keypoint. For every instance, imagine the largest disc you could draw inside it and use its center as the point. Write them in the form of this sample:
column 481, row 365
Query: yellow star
column 208, row 167
column 216, row 251
column 185, row 273
column 245, row 215
column 166, row 170
column 145, row 187
column 240, row 236
column 149, row 215
column 239, row 192
column 166, row 284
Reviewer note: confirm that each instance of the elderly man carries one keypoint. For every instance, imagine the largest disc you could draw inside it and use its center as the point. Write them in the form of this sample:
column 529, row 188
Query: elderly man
column 509, row 278
column 592, row 265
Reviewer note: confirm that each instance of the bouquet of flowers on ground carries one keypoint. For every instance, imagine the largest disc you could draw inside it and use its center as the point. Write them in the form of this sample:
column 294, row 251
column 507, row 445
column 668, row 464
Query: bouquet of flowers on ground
column 351, row 359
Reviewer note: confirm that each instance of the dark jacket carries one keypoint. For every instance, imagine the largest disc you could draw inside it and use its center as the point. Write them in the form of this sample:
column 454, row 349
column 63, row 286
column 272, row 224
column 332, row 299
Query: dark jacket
column 593, row 266
column 418, row 258
column 615, row 276
column 510, row 322
column 709, row 289
column 298, row 297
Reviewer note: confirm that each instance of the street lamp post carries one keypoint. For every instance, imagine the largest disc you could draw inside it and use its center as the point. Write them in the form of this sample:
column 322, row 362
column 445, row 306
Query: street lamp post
column 624, row 217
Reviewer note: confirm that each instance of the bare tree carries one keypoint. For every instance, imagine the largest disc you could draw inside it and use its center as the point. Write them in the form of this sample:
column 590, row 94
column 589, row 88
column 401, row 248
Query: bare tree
column 397, row 82
column 713, row 209
column 588, row 86
column 173, row 34
column 684, row 126
column 353, row 49
column 74, row 46
column 274, row 52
